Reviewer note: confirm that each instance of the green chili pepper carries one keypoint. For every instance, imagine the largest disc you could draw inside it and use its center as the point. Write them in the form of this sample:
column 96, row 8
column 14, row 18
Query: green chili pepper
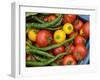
column 52, row 46
column 59, row 22
column 38, row 58
column 36, row 63
column 39, row 52
column 53, row 29
column 44, row 25
column 55, row 26
column 38, row 19
column 35, row 18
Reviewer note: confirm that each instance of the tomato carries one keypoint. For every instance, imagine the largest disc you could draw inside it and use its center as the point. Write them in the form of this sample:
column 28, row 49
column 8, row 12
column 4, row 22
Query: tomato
column 32, row 34
column 58, row 50
column 50, row 18
column 69, row 60
column 59, row 36
column 69, row 18
column 44, row 38
column 79, row 40
column 80, row 52
column 78, row 25
column 68, row 28
column 70, row 48
column 86, row 29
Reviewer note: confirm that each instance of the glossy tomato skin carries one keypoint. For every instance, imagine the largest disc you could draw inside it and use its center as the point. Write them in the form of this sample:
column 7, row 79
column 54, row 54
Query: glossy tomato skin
column 80, row 52
column 59, row 50
column 68, row 28
column 44, row 38
column 77, row 24
column 69, row 18
column 59, row 36
column 79, row 40
column 86, row 29
column 50, row 18
column 69, row 60
column 70, row 48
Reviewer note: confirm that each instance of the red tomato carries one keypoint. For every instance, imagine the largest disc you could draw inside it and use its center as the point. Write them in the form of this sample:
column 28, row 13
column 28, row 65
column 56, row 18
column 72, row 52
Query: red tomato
column 78, row 25
column 79, row 52
column 58, row 50
column 69, row 18
column 69, row 60
column 79, row 40
column 86, row 29
column 51, row 18
column 44, row 38
column 70, row 48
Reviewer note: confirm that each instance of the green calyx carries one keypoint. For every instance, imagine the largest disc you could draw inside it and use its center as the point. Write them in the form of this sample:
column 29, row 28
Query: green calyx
column 58, row 37
column 69, row 28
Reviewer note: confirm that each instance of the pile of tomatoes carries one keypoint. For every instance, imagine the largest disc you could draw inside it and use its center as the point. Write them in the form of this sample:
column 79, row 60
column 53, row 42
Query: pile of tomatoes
column 71, row 25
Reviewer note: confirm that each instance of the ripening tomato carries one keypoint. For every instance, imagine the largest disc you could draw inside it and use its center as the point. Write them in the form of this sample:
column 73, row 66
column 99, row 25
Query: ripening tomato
column 70, row 48
column 79, row 40
column 77, row 24
column 69, row 60
column 80, row 52
column 44, row 38
column 58, row 50
column 69, row 18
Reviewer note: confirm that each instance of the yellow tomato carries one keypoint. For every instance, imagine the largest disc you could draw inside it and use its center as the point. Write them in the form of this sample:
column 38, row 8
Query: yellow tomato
column 32, row 34
column 59, row 36
column 68, row 28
